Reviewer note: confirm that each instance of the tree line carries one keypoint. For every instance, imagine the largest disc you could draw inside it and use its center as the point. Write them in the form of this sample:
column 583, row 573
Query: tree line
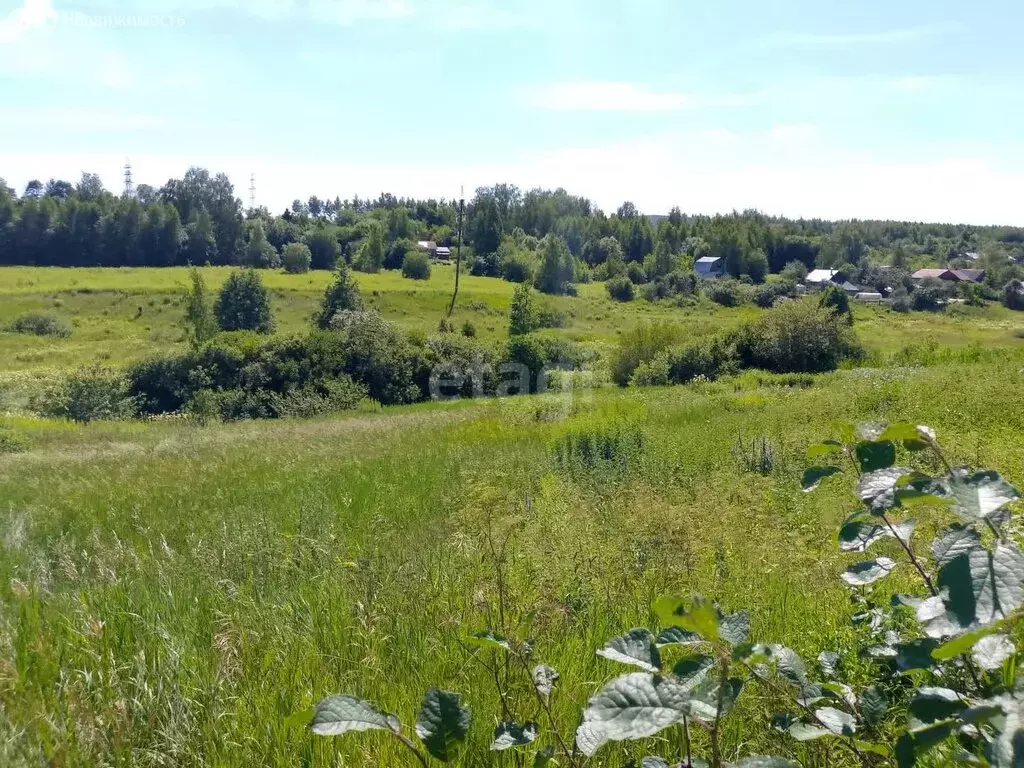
column 198, row 220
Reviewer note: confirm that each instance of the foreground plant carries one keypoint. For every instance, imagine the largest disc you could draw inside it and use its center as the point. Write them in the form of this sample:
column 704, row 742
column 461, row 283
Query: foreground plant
column 943, row 666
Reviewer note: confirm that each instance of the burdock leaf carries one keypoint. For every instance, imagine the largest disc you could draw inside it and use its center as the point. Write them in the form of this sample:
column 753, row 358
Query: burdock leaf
column 838, row 722
column 508, row 735
column 442, row 723
column 488, row 639
column 980, row 495
column 862, row 574
column 873, row 706
column 877, row 489
column 990, row 652
column 544, row 678
column 956, row 541
column 677, row 636
column 336, row 715
column 932, row 705
column 873, row 456
column 701, row 616
column 633, row 706
column 636, row 647
column 692, row 671
column 814, row 475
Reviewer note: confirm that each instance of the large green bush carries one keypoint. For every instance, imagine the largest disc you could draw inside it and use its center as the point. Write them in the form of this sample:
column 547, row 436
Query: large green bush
column 641, row 345
column 796, row 337
column 296, row 258
column 522, row 316
column 41, row 324
column 620, row 288
column 379, row 356
column 1013, row 295
column 416, row 266
column 679, row 365
column 91, row 394
column 342, row 295
column 244, row 304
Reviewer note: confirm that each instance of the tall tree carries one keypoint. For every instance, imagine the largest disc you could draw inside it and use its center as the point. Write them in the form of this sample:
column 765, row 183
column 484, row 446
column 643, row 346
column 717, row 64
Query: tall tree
column 486, row 228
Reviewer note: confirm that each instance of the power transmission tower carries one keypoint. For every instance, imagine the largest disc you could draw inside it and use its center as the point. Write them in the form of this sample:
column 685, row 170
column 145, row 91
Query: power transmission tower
column 458, row 248
column 129, row 186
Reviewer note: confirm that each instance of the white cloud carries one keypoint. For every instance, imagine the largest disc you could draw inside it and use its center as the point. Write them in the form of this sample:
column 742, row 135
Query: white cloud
column 32, row 15
column 84, row 120
column 348, row 12
column 793, row 134
column 846, row 39
column 605, row 96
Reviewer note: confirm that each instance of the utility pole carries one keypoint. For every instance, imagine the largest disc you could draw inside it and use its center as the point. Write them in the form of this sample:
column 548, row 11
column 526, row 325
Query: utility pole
column 129, row 186
column 458, row 248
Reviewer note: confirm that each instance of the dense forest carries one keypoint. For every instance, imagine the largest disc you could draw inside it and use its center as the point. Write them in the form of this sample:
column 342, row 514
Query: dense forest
column 199, row 220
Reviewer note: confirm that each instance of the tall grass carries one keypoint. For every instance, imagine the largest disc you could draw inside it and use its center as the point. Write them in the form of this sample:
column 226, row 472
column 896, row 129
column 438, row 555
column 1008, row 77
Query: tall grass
column 174, row 595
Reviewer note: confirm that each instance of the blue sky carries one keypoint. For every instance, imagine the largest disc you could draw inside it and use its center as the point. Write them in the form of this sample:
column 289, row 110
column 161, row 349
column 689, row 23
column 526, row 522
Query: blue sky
column 903, row 109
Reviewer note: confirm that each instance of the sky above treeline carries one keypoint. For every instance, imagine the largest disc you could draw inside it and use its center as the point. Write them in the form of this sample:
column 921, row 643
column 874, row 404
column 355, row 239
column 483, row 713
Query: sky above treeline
column 905, row 110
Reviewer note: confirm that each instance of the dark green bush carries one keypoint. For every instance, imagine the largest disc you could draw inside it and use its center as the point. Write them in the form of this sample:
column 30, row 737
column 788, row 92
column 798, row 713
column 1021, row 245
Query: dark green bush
column 41, row 324
column 244, row 304
column 679, row 365
column 724, row 292
column 641, row 345
column 342, row 295
column 379, row 356
column 900, row 300
column 542, row 353
column 636, row 274
column 519, row 267
column 796, row 337
column 398, row 251
column 91, row 394
column 1013, row 295
column 930, row 295
column 620, row 288
column 835, row 299
column 296, row 258
column 416, row 266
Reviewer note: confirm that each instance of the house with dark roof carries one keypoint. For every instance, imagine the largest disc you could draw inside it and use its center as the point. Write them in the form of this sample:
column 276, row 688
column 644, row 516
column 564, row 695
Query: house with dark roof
column 970, row 275
column 935, row 274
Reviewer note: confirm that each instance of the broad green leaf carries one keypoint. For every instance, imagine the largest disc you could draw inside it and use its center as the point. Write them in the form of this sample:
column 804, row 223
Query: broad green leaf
column 442, row 723
column 875, row 749
column 734, row 628
column 336, row 715
column 508, row 735
column 677, row 636
column 862, row 574
column 488, row 639
column 636, row 647
column 921, row 739
column 814, row 475
column 877, row 489
column 807, row 732
column 847, row 432
column 826, row 448
column 984, row 586
column 543, row 757
column 761, row 761
column 858, row 534
column 873, row 706
column 936, row 621
column 915, row 654
column 872, row 456
column 962, row 643
column 990, row 652
column 828, row 661
column 633, row 706
column 980, row 495
column 931, row 705
column 705, row 698
column 654, row 762
column 956, row 541
column 701, row 617
column 1006, row 750
column 544, row 678
column 692, row 671
column 838, row 722
column 897, row 433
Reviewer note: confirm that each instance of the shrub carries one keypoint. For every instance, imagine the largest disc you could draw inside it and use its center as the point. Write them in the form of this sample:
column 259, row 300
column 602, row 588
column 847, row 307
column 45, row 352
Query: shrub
column 416, row 266
column 636, row 274
column 765, row 296
column 91, row 394
column 296, row 258
column 930, row 296
column 324, row 249
column 1013, row 295
column 641, row 345
column 796, row 337
column 342, row 295
column 518, row 267
column 41, row 324
column 796, row 271
column 468, row 329
column 679, row 365
column 522, row 316
column 835, row 299
column 244, row 304
column 724, row 292
column 198, row 320
column 13, row 442
column 900, row 300
column 541, row 353
column 557, row 266
column 620, row 288
column 400, row 250
column 378, row 355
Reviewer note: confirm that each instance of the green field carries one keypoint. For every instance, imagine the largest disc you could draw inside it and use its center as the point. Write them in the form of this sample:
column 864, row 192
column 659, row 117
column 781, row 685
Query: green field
column 180, row 595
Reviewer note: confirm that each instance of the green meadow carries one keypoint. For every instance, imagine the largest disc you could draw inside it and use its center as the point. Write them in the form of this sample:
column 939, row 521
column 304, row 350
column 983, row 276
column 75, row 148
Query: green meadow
column 182, row 595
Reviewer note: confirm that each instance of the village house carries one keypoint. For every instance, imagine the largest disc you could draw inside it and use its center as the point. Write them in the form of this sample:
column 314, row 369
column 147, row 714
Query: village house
column 710, row 266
